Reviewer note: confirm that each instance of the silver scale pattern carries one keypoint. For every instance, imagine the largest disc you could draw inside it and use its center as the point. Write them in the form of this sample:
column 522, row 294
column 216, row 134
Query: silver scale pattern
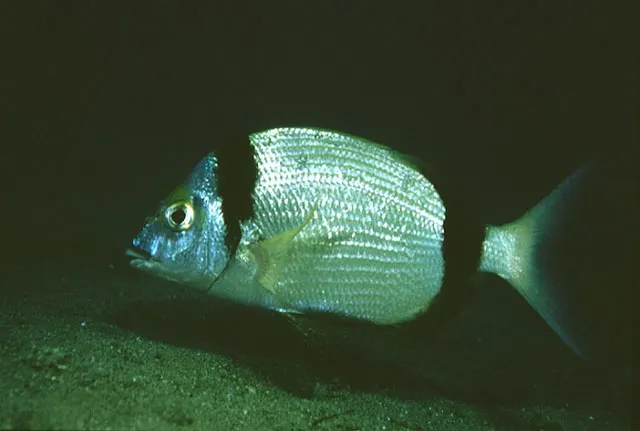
column 373, row 249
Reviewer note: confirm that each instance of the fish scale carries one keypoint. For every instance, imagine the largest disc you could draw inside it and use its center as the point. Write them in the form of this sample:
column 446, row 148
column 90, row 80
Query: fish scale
column 359, row 274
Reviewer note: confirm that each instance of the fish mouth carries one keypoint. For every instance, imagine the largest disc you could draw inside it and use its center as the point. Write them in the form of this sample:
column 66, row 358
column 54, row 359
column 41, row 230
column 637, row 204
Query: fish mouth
column 138, row 253
column 144, row 261
column 141, row 259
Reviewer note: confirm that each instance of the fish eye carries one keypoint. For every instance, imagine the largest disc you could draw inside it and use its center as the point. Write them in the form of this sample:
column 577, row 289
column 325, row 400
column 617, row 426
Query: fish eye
column 180, row 216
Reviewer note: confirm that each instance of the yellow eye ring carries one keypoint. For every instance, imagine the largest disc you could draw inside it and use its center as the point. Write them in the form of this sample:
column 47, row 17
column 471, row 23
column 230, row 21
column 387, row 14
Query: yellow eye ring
column 180, row 216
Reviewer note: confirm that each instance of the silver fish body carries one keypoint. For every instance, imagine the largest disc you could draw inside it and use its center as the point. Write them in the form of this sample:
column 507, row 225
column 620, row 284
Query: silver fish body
column 370, row 250
column 337, row 224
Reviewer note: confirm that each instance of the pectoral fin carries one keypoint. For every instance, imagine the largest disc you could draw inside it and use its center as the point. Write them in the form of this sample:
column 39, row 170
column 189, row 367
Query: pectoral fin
column 271, row 254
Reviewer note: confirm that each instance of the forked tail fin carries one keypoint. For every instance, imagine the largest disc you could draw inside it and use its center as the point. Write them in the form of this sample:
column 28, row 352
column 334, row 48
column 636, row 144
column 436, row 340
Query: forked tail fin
column 521, row 253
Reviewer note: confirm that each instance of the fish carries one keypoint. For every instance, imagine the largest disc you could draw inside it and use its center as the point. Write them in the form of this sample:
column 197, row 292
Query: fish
column 304, row 220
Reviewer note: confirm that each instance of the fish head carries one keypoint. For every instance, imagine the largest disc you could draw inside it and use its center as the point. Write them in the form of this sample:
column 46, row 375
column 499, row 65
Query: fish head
column 184, row 241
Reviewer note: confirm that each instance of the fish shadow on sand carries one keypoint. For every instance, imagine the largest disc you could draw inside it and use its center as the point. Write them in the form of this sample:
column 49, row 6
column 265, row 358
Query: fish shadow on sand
column 480, row 357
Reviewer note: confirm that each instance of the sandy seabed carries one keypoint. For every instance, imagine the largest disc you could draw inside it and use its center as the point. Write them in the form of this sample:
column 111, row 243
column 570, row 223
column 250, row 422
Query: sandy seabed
column 88, row 344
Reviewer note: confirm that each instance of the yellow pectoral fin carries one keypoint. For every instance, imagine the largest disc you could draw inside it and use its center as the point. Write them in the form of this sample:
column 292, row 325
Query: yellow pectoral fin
column 271, row 254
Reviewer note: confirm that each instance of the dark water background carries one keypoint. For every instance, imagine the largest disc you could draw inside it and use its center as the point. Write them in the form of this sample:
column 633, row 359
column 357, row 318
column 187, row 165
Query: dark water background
column 105, row 106
column 111, row 103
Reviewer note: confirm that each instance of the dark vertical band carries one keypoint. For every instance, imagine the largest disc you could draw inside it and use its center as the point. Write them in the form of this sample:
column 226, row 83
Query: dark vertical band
column 461, row 249
column 237, row 174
